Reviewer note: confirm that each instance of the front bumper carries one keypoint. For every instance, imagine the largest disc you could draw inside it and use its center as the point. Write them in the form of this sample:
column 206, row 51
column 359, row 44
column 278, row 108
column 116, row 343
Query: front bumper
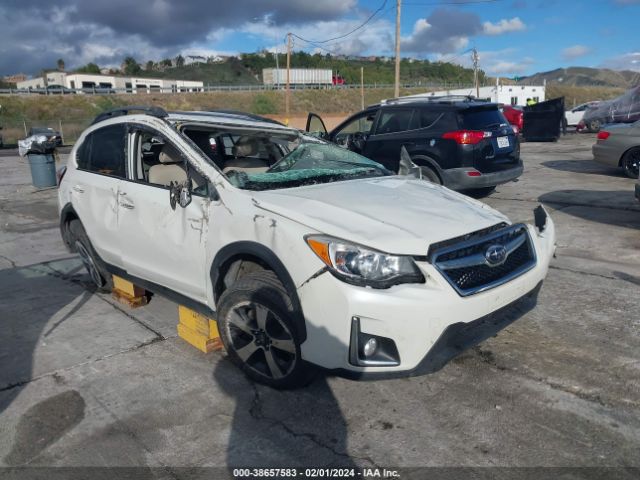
column 459, row 179
column 428, row 323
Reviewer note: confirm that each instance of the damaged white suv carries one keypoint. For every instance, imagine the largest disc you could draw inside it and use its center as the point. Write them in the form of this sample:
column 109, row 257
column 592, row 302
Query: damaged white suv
column 307, row 254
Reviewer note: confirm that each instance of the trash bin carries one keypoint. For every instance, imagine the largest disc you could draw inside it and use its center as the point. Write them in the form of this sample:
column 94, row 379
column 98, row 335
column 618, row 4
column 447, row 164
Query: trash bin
column 43, row 170
column 39, row 150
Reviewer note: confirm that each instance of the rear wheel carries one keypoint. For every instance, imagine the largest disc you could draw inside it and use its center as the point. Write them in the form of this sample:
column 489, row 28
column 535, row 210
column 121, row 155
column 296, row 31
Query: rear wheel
column 257, row 327
column 594, row 125
column 631, row 163
column 430, row 174
column 90, row 259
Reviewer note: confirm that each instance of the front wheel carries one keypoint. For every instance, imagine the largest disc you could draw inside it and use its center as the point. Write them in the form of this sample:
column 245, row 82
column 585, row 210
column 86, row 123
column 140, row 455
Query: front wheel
column 631, row 163
column 257, row 327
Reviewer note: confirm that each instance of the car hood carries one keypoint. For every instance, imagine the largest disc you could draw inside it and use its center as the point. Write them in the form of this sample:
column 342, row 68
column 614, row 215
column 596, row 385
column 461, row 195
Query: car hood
column 391, row 214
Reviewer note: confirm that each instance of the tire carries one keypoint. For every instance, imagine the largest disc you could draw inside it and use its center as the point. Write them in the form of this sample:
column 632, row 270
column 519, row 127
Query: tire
column 431, row 175
column 92, row 262
column 254, row 315
column 630, row 162
column 481, row 192
column 594, row 126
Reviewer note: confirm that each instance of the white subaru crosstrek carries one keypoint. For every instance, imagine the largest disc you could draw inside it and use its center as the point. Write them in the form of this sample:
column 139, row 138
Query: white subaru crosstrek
column 307, row 254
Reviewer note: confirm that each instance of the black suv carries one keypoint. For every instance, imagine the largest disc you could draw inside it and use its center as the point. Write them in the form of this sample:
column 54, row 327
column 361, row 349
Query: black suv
column 457, row 141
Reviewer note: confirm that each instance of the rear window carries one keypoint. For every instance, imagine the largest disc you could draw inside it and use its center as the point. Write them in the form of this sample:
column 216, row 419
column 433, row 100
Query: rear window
column 482, row 119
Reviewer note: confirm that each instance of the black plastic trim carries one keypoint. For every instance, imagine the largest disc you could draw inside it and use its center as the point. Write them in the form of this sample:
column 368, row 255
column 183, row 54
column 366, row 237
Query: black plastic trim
column 163, row 291
column 455, row 339
column 242, row 248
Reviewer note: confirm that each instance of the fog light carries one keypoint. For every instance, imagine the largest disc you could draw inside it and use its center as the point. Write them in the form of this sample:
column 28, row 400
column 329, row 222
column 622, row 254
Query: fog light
column 370, row 347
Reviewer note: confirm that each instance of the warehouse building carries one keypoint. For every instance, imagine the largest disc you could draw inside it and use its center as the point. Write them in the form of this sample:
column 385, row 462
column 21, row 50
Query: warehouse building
column 87, row 81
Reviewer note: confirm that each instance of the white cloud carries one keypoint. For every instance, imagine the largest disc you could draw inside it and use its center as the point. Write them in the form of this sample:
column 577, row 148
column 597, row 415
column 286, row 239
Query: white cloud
column 506, row 62
column 504, row 26
column 626, row 61
column 575, row 51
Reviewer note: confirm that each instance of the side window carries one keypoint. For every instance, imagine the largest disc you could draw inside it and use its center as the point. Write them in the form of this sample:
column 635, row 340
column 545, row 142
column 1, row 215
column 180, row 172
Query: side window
column 361, row 124
column 395, row 121
column 158, row 162
column 428, row 118
column 105, row 151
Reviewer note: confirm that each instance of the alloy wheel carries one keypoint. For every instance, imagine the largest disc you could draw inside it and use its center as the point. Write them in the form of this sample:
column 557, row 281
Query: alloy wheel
column 632, row 164
column 89, row 264
column 261, row 340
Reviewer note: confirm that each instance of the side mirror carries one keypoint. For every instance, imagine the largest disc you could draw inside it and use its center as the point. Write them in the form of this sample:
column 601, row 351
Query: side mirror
column 180, row 194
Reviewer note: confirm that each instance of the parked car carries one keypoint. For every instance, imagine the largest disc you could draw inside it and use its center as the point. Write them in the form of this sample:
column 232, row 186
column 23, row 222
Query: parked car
column 574, row 116
column 623, row 109
column 306, row 254
column 619, row 146
column 49, row 132
column 456, row 141
column 57, row 90
column 515, row 116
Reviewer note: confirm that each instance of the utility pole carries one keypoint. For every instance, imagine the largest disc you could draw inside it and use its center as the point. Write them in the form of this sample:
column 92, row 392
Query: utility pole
column 288, row 92
column 396, row 91
column 362, row 87
column 476, row 80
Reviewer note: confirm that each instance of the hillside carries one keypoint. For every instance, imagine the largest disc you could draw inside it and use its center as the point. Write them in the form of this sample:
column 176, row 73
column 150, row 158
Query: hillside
column 247, row 69
column 585, row 77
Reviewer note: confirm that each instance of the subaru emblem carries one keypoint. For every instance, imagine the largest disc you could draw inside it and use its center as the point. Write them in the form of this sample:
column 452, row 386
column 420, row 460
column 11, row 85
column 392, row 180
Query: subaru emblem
column 495, row 255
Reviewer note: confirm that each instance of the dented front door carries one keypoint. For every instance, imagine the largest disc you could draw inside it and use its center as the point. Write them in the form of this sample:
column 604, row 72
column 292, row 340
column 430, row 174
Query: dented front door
column 163, row 245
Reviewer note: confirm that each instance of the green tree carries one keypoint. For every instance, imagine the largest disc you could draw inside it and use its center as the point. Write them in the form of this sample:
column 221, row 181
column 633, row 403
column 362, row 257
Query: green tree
column 60, row 64
column 150, row 66
column 89, row 68
column 179, row 61
column 130, row 66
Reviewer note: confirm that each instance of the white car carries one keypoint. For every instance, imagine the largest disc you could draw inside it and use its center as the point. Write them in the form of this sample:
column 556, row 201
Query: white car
column 307, row 254
column 574, row 115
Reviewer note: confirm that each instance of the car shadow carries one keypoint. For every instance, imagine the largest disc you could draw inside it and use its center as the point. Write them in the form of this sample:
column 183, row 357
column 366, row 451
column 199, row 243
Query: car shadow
column 584, row 166
column 274, row 428
column 611, row 207
column 31, row 297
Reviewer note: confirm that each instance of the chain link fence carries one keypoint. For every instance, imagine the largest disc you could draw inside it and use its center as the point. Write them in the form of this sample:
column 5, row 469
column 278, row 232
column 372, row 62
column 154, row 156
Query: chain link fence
column 69, row 129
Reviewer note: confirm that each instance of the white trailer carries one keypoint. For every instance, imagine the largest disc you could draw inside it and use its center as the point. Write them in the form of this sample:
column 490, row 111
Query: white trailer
column 297, row 76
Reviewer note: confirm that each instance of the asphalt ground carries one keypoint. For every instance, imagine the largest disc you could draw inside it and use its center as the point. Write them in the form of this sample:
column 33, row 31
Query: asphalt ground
column 86, row 382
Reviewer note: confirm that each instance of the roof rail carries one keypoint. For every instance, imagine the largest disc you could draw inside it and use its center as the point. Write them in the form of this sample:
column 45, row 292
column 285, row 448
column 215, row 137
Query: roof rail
column 117, row 112
column 434, row 98
column 252, row 116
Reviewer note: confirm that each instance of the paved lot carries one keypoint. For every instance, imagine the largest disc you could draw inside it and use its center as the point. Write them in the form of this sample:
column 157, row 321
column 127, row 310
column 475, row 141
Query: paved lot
column 85, row 382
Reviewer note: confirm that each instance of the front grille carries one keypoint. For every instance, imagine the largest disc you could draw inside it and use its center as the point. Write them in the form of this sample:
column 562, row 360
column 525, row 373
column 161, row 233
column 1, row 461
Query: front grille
column 469, row 268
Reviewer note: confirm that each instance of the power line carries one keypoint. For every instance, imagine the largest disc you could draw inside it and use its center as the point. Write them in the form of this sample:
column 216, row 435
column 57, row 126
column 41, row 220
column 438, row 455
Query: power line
column 465, row 2
column 384, row 3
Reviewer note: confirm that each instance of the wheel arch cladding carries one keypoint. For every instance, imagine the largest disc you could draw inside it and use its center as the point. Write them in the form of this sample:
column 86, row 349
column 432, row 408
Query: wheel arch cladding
column 257, row 253
column 67, row 215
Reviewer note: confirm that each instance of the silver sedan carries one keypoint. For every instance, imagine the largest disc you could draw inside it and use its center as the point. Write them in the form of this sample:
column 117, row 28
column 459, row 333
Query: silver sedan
column 618, row 145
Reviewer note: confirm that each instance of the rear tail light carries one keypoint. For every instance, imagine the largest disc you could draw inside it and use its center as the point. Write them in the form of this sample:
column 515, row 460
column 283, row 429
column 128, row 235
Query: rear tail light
column 60, row 174
column 473, row 173
column 465, row 137
column 603, row 135
column 515, row 129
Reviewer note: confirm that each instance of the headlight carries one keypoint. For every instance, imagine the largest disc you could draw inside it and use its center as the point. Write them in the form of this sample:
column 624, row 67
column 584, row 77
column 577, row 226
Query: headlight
column 362, row 266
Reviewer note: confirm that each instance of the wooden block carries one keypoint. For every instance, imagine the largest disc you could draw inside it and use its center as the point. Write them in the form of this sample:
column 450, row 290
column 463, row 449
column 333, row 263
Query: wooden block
column 128, row 300
column 201, row 342
column 198, row 330
column 193, row 320
column 128, row 288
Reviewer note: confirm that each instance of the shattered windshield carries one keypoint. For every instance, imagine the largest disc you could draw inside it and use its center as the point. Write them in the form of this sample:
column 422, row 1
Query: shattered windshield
column 309, row 164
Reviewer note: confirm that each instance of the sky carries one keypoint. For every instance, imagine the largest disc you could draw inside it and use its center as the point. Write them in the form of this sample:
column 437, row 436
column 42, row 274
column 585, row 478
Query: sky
column 513, row 37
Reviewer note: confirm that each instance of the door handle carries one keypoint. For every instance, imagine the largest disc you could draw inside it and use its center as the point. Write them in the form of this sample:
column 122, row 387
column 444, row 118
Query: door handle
column 78, row 188
column 128, row 206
